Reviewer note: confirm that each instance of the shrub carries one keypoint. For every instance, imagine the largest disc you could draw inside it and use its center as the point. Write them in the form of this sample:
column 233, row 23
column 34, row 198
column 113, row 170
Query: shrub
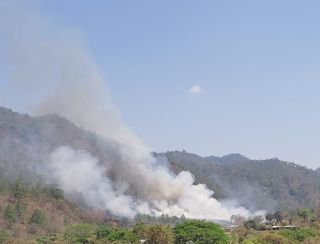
column 254, row 223
column 154, row 233
column 266, row 238
column 47, row 239
column 305, row 213
column 299, row 234
column 20, row 209
column 10, row 215
column 3, row 236
column 199, row 232
column 116, row 235
column 19, row 190
column 122, row 236
column 80, row 233
column 56, row 193
column 161, row 234
column 103, row 231
column 39, row 218
column 243, row 233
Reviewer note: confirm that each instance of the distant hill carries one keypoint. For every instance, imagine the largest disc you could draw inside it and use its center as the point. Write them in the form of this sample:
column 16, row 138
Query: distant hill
column 257, row 184
column 317, row 171
column 270, row 184
column 26, row 141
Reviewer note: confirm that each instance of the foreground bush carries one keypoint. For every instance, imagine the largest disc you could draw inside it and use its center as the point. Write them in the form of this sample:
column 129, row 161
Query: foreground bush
column 103, row 231
column 10, row 215
column 80, row 233
column 299, row 234
column 200, row 232
column 47, row 239
column 39, row 218
column 116, row 235
column 156, row 233
column 266, row 238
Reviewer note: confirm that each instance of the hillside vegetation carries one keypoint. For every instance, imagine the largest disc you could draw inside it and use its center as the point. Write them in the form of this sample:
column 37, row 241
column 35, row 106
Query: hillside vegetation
column 28, row 213
column 256, row 184
column 34, row 211
column 272, row 184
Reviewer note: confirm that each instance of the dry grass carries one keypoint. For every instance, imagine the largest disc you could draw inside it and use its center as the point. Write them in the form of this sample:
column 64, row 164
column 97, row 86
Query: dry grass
column 58, row 213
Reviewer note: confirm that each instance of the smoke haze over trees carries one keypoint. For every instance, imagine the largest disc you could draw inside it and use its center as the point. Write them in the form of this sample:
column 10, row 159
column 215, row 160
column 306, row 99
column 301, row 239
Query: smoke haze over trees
column 269, row 184
column 27, row 142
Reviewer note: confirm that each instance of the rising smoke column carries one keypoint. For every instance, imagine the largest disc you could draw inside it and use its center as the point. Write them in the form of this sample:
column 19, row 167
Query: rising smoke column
column 129, row 181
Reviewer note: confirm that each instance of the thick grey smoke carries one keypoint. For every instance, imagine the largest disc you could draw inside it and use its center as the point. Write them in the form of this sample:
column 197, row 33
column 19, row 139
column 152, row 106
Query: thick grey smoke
column 57, row 63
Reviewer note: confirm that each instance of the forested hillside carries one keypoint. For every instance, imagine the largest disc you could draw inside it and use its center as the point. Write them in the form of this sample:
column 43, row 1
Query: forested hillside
column 271, row 184
column 26, row 141
column 257, row 184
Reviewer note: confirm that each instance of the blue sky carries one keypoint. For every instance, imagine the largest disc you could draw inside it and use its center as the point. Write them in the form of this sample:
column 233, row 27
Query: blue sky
column 256, row 65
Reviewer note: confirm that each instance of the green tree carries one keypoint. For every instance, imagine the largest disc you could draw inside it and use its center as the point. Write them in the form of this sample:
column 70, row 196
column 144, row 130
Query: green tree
column 19, row 193
column 80, row 233
column 56, row 193
column 200, row 232
column 299, row 234
column 118, row 235
column 20, row 208
column 305, row 213
column 19, row 190
column 38, row 217
column 103, row 231
column 10, row 215
column 122, row 236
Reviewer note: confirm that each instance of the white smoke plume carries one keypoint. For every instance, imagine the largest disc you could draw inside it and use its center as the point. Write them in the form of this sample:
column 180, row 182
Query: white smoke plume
column 130, row 181
column 80, row 173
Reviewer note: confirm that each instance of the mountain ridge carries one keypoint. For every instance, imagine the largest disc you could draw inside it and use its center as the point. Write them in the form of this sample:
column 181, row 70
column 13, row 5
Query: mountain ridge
column 269, row 184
